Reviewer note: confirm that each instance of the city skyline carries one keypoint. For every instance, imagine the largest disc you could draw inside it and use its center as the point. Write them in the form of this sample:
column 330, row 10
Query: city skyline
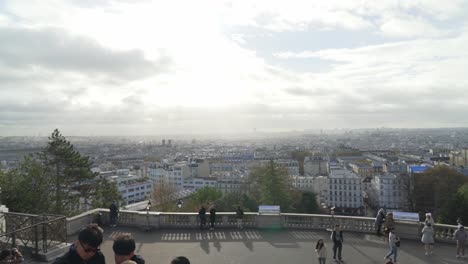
column 120, row 67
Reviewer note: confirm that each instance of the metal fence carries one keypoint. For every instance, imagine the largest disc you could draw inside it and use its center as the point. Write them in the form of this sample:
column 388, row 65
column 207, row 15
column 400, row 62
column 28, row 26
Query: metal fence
column 33, row 234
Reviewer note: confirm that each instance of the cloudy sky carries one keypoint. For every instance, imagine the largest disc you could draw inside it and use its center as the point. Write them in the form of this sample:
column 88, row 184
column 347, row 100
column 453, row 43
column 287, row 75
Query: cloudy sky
column 123, row 67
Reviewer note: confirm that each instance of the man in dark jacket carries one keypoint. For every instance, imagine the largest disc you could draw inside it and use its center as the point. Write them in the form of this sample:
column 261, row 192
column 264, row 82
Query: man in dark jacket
column 202, row 215
column 113, row 214
column 337, row 238
column 379, row 219
column 86, row 248
column 124, row 249
column 212, row 217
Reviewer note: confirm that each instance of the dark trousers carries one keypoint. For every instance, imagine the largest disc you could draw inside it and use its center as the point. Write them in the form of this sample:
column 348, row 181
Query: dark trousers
column 337, row 246
column 202, row 222
column 113, row 219
column 379, row 227
column 212, row 221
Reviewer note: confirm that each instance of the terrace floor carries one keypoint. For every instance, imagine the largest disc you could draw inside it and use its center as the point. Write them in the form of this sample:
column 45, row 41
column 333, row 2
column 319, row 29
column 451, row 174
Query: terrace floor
column 232, row 246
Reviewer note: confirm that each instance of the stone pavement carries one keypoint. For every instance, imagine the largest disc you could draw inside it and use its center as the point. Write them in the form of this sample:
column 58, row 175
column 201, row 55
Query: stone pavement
column 231, row 246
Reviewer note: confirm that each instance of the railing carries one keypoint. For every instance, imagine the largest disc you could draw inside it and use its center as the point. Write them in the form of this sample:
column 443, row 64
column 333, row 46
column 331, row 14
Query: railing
column 34, row 234
column 169, row 220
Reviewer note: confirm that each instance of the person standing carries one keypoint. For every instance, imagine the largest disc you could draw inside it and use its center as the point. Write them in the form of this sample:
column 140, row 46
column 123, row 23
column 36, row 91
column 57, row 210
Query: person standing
column 239, row 217
column 86, row 248
column 379, row 220
column 337, row 238
column 428, row 238
column 212, row 217
column 124, row 249
column 389, row 224
column 202, row 216
column 113, row 214
column 429, row 219
column 461, row 236
column 321, row 250
column 392, row 243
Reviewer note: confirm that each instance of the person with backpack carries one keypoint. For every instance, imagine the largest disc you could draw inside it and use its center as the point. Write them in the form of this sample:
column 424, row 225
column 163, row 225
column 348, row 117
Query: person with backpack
column 393, row 243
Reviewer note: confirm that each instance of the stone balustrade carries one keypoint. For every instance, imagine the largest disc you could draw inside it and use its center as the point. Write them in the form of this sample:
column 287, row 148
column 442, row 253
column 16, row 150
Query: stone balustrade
column 175, row 220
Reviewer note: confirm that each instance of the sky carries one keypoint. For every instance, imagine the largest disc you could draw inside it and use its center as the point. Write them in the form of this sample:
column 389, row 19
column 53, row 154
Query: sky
column 140, row 67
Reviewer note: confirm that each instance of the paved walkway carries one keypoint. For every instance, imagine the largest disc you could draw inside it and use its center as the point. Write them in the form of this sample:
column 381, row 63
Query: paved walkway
column 263, row 246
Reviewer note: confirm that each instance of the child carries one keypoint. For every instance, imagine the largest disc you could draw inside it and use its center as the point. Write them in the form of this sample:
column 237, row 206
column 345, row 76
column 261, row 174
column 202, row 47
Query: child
column 321, row 250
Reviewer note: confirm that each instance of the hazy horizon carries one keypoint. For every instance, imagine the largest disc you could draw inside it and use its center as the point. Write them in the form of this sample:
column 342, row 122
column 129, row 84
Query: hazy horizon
column 142, row 67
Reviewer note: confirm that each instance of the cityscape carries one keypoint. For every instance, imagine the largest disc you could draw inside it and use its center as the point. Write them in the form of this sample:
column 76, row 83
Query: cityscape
column 233, row 131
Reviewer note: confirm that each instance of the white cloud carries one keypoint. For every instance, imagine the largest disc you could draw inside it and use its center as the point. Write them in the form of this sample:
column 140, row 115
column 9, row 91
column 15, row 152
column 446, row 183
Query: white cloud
column 213, row 82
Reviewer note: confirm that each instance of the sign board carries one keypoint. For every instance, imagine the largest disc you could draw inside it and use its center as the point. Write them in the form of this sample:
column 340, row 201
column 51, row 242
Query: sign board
column 405, row 216
column 268, row 209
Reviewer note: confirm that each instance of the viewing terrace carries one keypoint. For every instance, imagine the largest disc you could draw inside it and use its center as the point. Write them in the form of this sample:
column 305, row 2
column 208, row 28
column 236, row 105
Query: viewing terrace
column 265, row 238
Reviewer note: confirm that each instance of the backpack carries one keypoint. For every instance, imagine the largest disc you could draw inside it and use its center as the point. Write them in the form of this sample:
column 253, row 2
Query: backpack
column 397, row 242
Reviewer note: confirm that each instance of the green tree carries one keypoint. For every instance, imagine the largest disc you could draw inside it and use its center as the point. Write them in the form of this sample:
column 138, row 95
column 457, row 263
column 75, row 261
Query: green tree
column 25, row 190
column 307, row 203
column 206, row 196
column 105, row 192
column 456, row 207
column 435, row 188
column 269, row 184
column 70, row 174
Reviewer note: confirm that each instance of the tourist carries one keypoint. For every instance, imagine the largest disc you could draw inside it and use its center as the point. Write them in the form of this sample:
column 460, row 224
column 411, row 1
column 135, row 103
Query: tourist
column 180, row 260
column 12, row 256
column 113, row 214
column 321, row 250
column 429, row 219
column 212, row 217
column 239, row 217
column 461, row 236
column 393, row 240
column 86, row 248
column 124, row 249
column 202, row 216
column 379, row 220
column 337, row 238
column 389, row 224
column 428, row 238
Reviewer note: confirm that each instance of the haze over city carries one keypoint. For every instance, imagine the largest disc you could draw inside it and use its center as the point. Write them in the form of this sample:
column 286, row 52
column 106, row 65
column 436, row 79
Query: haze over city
column 125, row 67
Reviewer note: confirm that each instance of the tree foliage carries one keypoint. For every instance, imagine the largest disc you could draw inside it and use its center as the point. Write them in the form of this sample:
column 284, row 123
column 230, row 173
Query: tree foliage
column 163, row 197
column 435, row 188
column 269, row 184
column 456, row 207
column 55, row 181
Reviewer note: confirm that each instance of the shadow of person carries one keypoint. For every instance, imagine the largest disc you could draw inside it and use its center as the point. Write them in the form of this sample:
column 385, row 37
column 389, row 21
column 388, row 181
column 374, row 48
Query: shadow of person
column 205, row 244
column 217, row 245
column 248, row 244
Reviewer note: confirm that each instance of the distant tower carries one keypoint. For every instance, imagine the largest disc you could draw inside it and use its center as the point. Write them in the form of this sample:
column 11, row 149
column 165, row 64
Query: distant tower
column 164, row 142
column 169, row 142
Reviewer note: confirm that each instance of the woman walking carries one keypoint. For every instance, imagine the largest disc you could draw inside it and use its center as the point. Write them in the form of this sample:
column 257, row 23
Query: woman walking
column 321, row 250
column 428, row 238
column 392, row 243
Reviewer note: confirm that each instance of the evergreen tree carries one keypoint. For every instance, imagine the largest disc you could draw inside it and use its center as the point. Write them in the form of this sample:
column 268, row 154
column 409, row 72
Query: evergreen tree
column 269, row 184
